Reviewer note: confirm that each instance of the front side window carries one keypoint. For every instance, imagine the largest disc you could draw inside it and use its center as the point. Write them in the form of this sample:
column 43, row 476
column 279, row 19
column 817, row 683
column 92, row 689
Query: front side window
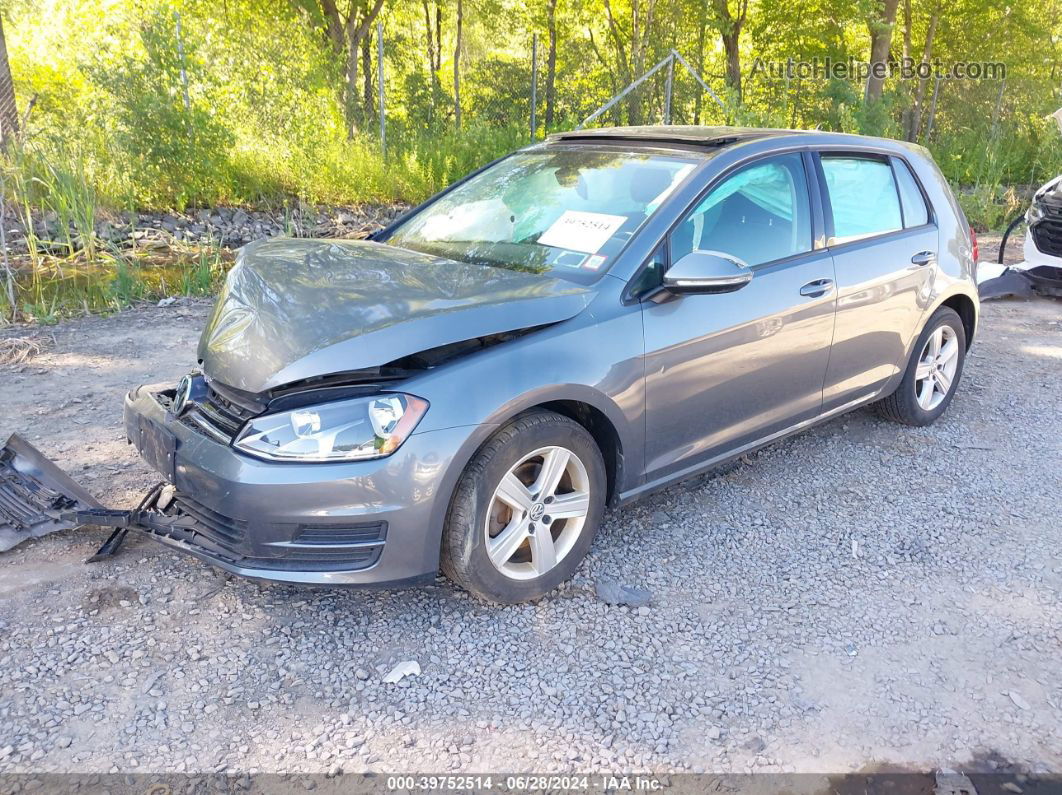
column 759, row 214
column 566, row 212
column 862, row 195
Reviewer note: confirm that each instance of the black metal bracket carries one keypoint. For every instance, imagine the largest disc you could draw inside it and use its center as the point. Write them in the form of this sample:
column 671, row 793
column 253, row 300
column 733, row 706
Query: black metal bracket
column 110, row 546
column 123, row 521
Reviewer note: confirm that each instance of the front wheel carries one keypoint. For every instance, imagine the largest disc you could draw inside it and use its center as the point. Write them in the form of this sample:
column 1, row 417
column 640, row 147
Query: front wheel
column 933, row 373
column 525, row 510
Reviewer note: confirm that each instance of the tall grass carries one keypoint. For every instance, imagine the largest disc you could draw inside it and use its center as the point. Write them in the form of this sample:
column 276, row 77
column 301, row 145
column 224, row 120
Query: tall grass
column 76, row 184
column 416, row 164
column 62, row 287
column 63, row 267
column 995, row 173
column 66, row 268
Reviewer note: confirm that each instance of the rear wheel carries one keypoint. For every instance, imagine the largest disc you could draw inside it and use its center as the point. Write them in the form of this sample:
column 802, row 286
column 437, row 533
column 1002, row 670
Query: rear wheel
column 932, row 374
column 525, row 510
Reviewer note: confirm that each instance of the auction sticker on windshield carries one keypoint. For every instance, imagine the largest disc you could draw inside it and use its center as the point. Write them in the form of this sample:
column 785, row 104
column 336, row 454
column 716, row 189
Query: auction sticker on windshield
column 581, row 231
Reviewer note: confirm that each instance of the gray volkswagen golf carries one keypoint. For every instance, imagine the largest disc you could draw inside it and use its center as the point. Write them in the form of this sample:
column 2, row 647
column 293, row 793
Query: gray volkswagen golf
column 569, row 328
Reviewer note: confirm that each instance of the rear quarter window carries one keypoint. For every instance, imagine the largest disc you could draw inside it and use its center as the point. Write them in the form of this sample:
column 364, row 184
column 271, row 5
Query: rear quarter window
column 915, row 212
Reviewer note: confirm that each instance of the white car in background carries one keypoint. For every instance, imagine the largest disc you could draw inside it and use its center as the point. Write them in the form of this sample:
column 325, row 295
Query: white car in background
column 1041, row 270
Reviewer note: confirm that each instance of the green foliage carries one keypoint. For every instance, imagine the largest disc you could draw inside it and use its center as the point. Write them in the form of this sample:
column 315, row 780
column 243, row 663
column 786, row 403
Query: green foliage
column 176, row 153
column 264, row 121
column 57, row 180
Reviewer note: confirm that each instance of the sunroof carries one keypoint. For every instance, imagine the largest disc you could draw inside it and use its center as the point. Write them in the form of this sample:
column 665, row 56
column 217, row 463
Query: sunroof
column 702, row 136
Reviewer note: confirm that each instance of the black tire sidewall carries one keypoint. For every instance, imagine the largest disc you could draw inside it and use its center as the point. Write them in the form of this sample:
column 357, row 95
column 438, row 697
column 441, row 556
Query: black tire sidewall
column 908, row 389
column 465, row 537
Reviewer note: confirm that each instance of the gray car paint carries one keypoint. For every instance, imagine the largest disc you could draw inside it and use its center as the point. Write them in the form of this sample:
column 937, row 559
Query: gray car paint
column 624, row 361
column 292, row 309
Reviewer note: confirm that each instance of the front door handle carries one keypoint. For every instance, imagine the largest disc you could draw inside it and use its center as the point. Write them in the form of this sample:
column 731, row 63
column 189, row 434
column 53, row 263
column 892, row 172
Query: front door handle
column 817, row 288
column 923, row 258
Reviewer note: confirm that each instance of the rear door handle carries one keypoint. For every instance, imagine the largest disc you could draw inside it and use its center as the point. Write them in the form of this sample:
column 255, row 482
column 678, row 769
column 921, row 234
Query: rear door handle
column 817, row 288
column 923, row 258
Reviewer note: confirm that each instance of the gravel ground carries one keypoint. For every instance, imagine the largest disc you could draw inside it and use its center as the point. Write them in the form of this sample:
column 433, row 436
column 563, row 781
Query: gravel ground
column 860, row 594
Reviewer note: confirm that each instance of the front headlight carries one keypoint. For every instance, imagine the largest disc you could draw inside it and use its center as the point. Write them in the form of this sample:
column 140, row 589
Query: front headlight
column 347, row 430
column 1034, row 214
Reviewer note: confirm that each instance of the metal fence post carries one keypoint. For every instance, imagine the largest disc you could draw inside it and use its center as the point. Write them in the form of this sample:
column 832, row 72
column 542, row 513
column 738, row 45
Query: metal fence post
column 667, row 89
column 380, row 87
column 9, row 272
column 534, row 84
column 932, row 109
column 999, row 107
column 180, row 55
column 693, row 73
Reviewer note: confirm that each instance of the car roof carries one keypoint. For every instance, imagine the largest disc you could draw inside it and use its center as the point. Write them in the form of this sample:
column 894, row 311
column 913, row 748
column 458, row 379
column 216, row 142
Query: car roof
column 671, row 134
column 710, row 140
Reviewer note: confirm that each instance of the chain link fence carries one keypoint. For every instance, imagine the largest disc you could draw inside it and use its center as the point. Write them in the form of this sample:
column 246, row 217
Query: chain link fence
column 8, row 109
column 513, row 92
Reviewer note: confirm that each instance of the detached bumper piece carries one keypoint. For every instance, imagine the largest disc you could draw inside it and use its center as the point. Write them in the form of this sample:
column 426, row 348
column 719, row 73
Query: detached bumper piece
column 1001, row 282
column 1046, row 280
column 36, row 496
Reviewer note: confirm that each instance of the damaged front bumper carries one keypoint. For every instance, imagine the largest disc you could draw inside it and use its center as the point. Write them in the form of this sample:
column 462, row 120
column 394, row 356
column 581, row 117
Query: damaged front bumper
column 1038, row 274
column 36, row 496
column 375, row 522
column 1021, row 281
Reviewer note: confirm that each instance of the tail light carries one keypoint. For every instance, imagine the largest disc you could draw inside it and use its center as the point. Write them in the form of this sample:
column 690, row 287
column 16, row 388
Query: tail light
column 973, row 246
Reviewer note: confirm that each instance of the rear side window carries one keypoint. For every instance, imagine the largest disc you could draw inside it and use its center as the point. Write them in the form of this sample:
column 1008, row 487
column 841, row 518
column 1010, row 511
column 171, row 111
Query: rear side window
column 863, row 197
column 915, row 212
column 759, row 214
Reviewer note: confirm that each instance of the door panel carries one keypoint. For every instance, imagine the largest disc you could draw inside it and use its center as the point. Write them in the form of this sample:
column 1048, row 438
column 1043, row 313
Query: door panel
column 724, row 370
column 882, row 281
column 880, row 300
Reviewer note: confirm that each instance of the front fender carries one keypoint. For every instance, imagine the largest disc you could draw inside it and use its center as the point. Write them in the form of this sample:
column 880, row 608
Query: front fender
column 479, row 434
column 594, row 359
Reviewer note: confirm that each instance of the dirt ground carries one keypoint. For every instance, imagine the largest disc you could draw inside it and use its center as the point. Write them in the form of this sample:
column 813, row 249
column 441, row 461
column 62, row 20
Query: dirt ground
column 814, row 638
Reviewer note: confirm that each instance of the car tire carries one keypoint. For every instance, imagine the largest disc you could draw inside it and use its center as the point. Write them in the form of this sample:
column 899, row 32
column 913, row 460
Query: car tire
column 918, row 401
column 495, row 541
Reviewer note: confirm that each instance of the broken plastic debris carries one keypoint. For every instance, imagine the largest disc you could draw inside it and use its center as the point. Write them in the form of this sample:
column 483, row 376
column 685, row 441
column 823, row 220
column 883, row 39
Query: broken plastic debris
column 401, row 671
column 1019, row 702
column 951, row 782
column 615, row 593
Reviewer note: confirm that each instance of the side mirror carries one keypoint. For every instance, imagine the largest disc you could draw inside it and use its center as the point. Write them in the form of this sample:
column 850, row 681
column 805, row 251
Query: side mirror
column 707, row 272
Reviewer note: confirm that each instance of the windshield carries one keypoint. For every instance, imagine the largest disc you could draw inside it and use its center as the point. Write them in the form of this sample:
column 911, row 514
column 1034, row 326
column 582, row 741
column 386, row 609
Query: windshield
column 565, row 212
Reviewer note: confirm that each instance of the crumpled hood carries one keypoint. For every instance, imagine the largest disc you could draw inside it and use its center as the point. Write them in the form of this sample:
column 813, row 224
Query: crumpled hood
column 295, row 308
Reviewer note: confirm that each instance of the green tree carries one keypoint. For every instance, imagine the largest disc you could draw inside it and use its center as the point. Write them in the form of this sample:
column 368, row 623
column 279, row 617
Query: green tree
column 345, row 26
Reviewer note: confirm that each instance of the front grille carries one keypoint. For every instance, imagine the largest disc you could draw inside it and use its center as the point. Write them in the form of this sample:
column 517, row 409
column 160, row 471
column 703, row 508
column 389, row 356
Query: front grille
column 336, row 536
column 322, row 559
column 1048, row 237
column 217, row 416
column 1047, row 232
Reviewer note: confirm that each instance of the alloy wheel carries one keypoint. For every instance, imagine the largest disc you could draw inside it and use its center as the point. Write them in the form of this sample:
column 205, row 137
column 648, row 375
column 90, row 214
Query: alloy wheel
column 537, row 513
column 936, row 367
